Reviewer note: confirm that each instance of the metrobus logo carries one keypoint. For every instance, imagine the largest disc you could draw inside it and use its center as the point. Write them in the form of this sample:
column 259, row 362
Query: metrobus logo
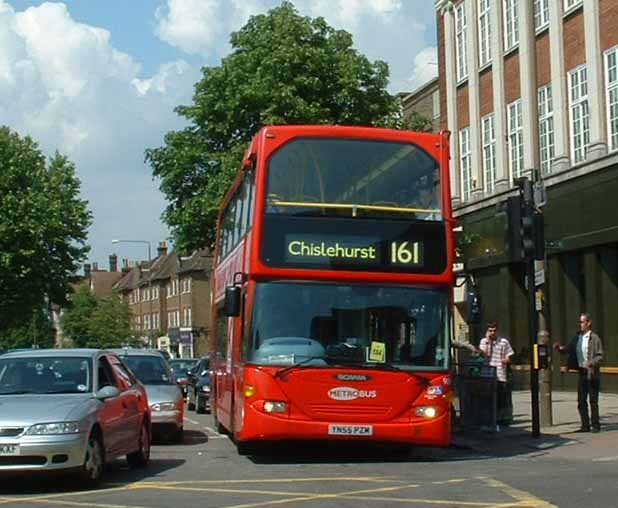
column 347, row 393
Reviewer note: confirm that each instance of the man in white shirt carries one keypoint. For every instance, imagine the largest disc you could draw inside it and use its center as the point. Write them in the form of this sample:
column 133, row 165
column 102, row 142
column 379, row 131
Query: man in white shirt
column 498, row 350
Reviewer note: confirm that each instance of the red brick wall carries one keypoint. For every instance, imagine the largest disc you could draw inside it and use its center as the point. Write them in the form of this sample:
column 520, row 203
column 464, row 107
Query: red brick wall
column 511, row 77
column 486, row 95
column 608, row 23
column 543, row 60
column 574, row 40
column 463, row 107
column 442, row 72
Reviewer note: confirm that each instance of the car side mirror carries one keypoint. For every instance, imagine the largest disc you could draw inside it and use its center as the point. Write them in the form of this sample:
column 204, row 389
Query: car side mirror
column 231, row 306
column 107, row 392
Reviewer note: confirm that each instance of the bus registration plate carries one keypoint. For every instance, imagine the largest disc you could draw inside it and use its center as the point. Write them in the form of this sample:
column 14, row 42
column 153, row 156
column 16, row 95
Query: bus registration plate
column 8, row 450
column 350, row 430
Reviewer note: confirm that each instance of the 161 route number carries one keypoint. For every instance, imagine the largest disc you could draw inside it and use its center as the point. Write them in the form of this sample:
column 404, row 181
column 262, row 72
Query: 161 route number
column 405, row 253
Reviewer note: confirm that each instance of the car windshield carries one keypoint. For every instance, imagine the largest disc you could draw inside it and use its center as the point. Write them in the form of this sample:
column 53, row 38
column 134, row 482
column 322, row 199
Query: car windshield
column 45, row 375
column 150, row 370
column 181, row 367
column 368, row 325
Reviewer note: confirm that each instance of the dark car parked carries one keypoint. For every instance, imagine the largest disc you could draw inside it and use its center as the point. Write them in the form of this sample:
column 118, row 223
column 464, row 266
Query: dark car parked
column 198, row 390
column 181, row 368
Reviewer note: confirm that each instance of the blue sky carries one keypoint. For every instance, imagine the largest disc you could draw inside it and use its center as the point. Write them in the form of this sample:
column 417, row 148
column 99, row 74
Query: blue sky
column 98, row 81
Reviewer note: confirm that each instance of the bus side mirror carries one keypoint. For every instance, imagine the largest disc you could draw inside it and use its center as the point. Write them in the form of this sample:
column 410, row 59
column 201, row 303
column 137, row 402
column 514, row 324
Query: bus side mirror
column 231, row 306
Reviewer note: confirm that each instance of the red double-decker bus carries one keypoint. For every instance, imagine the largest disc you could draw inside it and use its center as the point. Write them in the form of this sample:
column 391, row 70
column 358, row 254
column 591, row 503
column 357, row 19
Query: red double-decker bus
column 333, row 288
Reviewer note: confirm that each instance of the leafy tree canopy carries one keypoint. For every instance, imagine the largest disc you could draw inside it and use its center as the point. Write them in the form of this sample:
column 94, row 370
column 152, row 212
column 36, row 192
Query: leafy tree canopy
column 89, row 321
column 43, row 228
column 34, row 331
column 283, row 69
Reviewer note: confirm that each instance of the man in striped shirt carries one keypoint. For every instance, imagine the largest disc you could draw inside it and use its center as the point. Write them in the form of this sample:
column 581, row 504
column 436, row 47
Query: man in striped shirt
column 498, row 351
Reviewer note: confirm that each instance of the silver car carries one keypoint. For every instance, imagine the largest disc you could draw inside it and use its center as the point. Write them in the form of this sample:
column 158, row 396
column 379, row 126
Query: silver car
column 164, row 395
column 71, row 409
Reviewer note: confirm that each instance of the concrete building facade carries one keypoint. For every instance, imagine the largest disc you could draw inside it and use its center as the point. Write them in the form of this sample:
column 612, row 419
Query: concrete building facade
column 530, row 88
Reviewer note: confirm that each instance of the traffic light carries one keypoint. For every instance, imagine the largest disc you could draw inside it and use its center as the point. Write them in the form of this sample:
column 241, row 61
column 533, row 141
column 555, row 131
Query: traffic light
column 473, row 301
column 526, row 239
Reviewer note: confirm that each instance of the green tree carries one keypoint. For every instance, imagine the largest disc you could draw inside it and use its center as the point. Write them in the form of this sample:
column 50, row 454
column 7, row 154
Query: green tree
column 417, row 122
column 89, row 321
column 43, row 228
column 283, row 69
column 110, row 325
column 76, row 317
column 37, row 330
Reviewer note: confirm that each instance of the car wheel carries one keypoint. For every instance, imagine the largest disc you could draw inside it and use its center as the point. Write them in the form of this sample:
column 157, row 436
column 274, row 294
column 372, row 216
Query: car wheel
column 141, row 457
column 94, row 462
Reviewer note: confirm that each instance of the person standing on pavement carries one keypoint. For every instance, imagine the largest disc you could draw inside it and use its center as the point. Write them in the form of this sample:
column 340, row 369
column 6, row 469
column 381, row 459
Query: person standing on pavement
column 585, row 354
column 498, row 352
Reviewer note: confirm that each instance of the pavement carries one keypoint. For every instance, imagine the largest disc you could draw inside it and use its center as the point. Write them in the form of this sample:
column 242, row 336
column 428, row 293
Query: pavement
column 559, row 440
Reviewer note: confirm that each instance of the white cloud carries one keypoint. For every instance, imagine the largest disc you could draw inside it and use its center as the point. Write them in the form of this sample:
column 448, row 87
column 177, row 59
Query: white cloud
column 425, row 66
column 64, row 83
column 390, row 30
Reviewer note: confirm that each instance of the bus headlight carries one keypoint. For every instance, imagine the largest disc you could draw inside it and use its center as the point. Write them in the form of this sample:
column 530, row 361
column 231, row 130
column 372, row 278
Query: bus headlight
column 272, row 406
column 426, row 411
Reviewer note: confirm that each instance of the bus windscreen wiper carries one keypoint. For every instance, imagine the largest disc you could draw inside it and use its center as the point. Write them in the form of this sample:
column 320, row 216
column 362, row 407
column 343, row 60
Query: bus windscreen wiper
column 281, row 372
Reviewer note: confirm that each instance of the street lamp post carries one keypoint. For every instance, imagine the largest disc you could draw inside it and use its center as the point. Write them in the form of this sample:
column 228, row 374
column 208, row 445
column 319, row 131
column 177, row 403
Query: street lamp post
column 136, row 241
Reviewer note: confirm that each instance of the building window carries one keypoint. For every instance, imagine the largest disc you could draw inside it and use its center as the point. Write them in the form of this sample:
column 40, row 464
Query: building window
column 511, row 26
column 489, row 153
column 435, row 97
column 516, row 145
column 484, row 32
column 580, row 113
column 611, row 79
column 189, row 317
column 571, row 4
column 541, row 14
column 546, row 128
column 465, row 162
column 461, row 53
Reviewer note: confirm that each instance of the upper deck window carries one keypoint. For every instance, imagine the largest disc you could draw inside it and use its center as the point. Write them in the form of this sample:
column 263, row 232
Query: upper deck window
column 353, row 178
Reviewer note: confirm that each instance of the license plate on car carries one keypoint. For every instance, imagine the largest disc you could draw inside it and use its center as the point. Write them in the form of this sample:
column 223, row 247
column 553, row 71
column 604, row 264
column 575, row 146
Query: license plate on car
column 7, row 450
column 350, row 430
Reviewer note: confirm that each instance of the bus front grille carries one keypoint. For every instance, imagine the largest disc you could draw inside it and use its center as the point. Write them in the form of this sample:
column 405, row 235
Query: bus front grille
column 329, row 410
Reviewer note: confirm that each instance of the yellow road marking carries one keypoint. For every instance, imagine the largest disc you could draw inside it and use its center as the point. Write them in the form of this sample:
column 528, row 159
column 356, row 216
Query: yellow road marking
column 519, row 498
column 525, row 498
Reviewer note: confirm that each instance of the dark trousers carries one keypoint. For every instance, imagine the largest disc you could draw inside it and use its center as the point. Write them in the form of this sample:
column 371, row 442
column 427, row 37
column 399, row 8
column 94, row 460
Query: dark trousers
column 502, row 395
column 588, row 388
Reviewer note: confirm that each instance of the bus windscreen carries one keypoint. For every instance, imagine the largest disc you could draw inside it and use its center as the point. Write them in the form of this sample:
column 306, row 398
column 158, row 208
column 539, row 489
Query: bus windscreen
column 366, row 325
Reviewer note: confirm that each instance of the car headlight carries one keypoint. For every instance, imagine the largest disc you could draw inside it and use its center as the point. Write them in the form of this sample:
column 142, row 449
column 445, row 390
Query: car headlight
column 163, row 406
column 205, row 388
column 426, row 411
column 275, row 406
column 48, row 429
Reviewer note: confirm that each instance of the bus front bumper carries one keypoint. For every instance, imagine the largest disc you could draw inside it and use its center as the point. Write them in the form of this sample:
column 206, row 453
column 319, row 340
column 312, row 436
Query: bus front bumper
column 258, row 425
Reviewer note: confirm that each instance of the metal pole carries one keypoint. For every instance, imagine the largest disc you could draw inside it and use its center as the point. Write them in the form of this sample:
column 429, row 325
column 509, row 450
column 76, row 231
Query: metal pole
column 532, row 323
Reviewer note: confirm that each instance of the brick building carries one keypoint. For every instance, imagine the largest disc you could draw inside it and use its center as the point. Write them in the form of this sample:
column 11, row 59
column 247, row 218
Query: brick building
column 530, row 88
column 425, row 101
column 170, row 301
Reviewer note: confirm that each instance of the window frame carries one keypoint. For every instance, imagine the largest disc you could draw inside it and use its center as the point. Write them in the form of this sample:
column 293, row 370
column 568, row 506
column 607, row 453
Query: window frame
column 510, row 19
column 611, row 97
column 546, row 128
column 484, row 32
column 579, row 113
column 488, row 127
column 461, row 44
column 541, row 15
column 465, row 164
column 515, row 138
